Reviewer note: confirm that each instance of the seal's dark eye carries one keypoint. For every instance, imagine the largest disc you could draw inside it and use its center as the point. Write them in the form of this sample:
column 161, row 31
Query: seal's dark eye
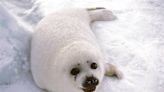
column 75, row 71
column 93, row 66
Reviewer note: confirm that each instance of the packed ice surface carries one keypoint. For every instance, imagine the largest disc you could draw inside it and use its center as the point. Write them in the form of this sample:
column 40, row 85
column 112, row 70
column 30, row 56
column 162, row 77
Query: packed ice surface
column 134, row 42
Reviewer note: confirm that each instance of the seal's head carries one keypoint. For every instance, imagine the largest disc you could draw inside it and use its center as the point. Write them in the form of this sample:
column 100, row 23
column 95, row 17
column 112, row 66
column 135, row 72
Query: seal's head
column 86, row 76
column 81, row 68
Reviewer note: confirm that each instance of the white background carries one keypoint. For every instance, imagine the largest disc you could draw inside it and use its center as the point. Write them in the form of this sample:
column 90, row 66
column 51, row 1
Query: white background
column 134, row 42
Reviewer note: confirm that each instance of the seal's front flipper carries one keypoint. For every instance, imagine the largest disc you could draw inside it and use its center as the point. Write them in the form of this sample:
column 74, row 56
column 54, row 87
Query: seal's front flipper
column 111, row 70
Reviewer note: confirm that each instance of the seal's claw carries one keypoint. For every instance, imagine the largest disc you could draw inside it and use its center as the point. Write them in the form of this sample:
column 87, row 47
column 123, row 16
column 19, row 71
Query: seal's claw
column 95, row 8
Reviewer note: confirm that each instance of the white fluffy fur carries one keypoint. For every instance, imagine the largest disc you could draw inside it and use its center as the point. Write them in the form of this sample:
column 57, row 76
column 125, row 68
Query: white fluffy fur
column 61, row 41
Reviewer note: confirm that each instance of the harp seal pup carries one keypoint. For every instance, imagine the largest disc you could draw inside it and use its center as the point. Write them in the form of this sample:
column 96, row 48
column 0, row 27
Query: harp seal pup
column 65, row 56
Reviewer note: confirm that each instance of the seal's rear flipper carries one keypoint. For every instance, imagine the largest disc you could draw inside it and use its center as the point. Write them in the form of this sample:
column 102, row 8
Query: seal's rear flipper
column 100, row 14
column 111, row 70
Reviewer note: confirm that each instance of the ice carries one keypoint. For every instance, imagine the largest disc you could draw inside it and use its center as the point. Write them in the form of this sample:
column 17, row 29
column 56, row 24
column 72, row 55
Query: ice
column 134, row 42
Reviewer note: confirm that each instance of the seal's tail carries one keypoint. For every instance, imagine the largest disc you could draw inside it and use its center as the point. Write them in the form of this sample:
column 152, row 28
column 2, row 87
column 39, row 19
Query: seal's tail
column 100, row 14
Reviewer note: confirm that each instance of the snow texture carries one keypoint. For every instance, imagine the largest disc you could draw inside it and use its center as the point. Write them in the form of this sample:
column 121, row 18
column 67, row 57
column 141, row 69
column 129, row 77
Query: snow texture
column 134, row 42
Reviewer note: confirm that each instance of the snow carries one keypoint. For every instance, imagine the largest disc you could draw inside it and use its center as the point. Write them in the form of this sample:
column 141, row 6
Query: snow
column 134, row 42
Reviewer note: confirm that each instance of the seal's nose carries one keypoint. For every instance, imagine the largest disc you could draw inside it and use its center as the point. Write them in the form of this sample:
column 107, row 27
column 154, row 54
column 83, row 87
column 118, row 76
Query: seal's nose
column 90, row 81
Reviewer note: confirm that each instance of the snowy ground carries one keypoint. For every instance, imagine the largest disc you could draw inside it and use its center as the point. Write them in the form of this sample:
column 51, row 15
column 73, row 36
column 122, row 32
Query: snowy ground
column 134, row 42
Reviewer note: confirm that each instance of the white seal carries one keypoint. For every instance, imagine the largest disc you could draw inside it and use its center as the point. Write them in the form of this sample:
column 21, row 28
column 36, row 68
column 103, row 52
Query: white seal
column 65, row 56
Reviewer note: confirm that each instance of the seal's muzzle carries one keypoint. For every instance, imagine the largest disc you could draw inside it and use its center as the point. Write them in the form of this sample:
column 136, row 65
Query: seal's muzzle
column 90, row 84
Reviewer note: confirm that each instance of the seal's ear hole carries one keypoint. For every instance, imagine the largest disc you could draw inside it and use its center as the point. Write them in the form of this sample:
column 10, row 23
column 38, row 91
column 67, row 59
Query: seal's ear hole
column 93, row 65
column 75, row 71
